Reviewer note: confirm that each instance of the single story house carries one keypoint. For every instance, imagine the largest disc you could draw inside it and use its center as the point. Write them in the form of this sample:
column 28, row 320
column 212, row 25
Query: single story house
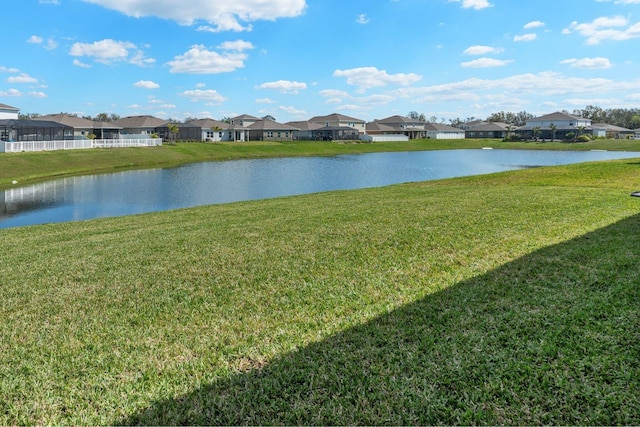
column 489, row 130
column 216, row 131
column 412, row 128
column 270, row 130
column 605, row 130
column 34, row 130
column 84, row 128
column 440, row 131
column 142, row 127
column 308, row 130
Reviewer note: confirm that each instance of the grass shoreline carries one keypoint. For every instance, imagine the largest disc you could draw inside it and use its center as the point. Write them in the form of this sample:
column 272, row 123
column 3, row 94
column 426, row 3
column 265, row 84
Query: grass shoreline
column 509, row 298
column 41, row 166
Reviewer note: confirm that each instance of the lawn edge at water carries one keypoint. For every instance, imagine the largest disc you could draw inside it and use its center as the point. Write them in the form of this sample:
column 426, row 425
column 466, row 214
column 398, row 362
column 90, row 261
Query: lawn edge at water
column 40, row 166
column 327, row 308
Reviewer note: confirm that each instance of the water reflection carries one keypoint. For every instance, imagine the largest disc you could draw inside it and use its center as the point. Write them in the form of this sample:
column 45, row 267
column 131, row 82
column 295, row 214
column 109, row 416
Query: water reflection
column 132, row 192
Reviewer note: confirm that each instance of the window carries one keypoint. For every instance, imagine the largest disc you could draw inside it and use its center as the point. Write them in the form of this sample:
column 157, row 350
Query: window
column 270, row 134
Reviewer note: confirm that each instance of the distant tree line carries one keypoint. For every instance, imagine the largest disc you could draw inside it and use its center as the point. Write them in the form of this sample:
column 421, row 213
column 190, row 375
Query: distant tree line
column 624, row 117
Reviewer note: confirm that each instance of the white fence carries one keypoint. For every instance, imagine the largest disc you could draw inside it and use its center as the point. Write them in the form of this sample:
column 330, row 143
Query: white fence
column 20, row 146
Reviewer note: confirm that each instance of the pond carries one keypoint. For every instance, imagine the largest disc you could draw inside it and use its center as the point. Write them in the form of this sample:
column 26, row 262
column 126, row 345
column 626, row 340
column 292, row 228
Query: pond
column 139, row 191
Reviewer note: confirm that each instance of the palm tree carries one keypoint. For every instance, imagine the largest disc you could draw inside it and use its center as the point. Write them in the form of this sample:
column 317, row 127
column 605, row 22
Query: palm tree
column 536, row 132
column 553, row 131
column 173, row 131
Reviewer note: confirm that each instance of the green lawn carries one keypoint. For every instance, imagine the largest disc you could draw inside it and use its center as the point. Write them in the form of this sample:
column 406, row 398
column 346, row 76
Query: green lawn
column 510, row 298
column 30, row 167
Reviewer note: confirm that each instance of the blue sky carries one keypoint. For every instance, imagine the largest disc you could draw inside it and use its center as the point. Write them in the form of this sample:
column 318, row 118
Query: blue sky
column 294, row 59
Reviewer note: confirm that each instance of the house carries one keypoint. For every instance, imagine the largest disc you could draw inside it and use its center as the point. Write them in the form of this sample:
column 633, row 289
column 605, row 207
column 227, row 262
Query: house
column 440, row 131
column 339, row 121
column 488, row 130
column 308, row 130
column 554, row 126
column 142, row 127
column 244, row 121
column 84, row 128
column 34, row 130
column 379, row 132
column 604, row 130
column 412, row 128
column 270, row 130
column 215, row 131
column 8, row 112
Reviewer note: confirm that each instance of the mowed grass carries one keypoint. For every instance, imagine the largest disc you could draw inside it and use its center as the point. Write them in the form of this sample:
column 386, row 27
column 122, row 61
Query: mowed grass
column 31, row 167
column 511, row 298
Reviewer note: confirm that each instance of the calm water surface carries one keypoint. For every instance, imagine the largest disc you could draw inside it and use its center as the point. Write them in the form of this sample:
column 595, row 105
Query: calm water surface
column 133, row 192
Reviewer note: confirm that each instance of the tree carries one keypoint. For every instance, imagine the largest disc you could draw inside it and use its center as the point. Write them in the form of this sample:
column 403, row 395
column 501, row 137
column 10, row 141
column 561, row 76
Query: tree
column 173, row 131
column 553, row 128
column 535, row 131
column 269, row 117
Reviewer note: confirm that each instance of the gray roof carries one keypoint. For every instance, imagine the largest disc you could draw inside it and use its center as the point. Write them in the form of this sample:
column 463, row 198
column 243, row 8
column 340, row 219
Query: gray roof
column 271, row 125
column 611, row 128
column 400, row 119
column 306, row 125
column 26, row 123
column 491, row 127
column 381, row 127
column 8, row 107
column 557, row 116
column 210, row 124
column 336, row 117
column 69, row 120
column 441, row 128
column 139, row 122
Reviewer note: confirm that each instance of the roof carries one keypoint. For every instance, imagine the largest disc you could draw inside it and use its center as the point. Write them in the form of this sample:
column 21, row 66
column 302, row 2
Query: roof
column 400, row 119
column 381, row 127
column 334, row 117
column 210, row 124
column 491, row 127
column 25, row 123
column 140, row 122
column 69, row 120
column 441, row 128
column 8, row 107
column 305, row 125
column 271, row 125
column 557, row 116
column 611, row 128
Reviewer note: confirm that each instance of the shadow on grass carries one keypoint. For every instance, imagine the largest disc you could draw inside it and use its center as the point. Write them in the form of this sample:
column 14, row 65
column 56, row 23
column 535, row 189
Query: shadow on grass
column 551, row 338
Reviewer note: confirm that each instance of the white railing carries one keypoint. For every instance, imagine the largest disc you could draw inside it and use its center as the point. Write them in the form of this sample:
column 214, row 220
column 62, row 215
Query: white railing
column 20, row 146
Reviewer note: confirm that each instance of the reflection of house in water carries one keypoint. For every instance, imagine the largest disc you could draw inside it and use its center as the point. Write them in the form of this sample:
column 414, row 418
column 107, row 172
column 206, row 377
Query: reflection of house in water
column 31, row 198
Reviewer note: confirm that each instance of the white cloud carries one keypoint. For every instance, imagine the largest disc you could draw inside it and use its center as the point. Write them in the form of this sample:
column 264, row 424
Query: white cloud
column 473, row 4
column 22, row 78
column 486, row 63
column 541, row 84
column 11, row 92
column 8, row 70
column 237, row 45
column 621, row 1
column 53, row 2
column 369, row 77
column 146, row 84
column 211, row 96
column 37, row 94
column 108, row 51
column 35, row 40
column 80, row 64
column 525, row 37
column 265, row 101
column 362, row 19
column 591, row 63
column 284, row 86
column 615, row 28
column 222, row 15
column 293, row 111
column 481, row 50
column 200, row 60
column 534, row 24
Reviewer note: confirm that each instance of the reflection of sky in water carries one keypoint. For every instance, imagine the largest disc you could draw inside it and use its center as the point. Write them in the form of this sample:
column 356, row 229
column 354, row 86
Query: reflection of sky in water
column 132, row 192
